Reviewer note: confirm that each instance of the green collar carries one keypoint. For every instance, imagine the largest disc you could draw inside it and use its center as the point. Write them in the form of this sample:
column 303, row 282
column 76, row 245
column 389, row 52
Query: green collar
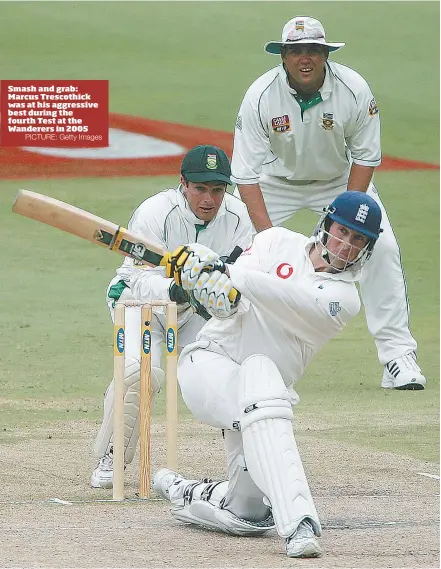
column 312, row 100
column 200, row 226
column 308, row 101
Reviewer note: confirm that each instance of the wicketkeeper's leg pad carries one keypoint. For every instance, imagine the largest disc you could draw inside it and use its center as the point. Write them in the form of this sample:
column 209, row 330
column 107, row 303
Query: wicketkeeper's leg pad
column 103, row 440
column 271, row 453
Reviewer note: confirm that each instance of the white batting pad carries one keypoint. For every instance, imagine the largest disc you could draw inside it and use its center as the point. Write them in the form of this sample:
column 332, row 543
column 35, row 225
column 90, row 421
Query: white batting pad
column 271, row 453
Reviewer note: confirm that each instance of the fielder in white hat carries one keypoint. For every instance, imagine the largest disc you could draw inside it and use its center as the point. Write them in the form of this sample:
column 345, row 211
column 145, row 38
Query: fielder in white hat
column 302, row 29
column 308, row 130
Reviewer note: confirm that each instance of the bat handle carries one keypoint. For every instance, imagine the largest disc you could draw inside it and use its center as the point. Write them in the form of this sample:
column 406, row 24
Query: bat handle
column 234, row 296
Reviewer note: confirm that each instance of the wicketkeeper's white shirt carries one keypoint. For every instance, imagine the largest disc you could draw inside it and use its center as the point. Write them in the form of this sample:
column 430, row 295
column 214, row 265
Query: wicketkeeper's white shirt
column 167, row 220
column 275, row 137
column 287, row 311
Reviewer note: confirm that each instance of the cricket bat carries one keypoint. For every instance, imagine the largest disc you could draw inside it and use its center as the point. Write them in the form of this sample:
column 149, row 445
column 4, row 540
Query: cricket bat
column 93, row 228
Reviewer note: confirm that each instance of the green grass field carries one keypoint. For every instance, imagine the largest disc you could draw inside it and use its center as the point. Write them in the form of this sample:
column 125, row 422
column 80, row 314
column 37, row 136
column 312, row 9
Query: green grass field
column 190, row 62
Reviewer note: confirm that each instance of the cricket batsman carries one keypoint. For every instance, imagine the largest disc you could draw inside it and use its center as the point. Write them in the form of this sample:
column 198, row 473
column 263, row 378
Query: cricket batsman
column 239, row 374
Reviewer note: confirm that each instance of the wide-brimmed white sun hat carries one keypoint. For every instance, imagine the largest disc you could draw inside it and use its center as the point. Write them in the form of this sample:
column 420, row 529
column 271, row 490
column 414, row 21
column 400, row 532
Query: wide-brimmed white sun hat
column 301, row 29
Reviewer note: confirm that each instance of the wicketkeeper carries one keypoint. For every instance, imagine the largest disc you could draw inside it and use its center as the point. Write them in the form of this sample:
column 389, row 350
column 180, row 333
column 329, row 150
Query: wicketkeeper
column 198, row 210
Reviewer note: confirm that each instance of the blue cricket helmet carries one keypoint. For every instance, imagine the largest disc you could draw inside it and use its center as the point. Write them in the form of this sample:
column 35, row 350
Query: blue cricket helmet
column 358, row 211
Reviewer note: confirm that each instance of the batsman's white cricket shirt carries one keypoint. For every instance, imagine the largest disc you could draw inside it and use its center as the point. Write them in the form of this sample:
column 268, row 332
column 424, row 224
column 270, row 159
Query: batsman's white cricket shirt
column 280, row 134
column 166, row 219
column 287, row 310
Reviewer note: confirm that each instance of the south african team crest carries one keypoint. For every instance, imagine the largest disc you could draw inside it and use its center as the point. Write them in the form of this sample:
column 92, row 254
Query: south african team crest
column 211, row 161
column 328, row 121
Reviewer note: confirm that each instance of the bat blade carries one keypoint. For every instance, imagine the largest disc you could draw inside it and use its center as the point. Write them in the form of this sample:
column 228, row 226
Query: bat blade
column 86, row 225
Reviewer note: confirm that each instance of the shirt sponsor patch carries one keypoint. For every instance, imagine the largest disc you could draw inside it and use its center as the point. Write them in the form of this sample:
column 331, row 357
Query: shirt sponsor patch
column 281, row 124
column 284, row 270
column 373, row 109
column 239, row 122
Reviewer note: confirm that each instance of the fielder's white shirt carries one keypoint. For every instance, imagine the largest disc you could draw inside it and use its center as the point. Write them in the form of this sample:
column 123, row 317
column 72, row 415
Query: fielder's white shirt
column 275, row 137
column 167, row 220
column 287, row 310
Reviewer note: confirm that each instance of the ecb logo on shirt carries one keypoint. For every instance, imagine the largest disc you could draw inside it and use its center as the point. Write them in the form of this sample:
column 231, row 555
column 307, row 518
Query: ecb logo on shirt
column 281, row 124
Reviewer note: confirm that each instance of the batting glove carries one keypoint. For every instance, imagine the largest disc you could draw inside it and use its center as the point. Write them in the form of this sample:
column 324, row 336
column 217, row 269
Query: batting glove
column 180, row 296
column 177, row 294
column 199, row 258
column 212, row 290
column 173, row 263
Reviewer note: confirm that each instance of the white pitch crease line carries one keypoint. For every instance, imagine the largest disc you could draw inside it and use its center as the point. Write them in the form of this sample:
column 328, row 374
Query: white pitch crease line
column 79, row 502
column 429, row 475
column 58, row 501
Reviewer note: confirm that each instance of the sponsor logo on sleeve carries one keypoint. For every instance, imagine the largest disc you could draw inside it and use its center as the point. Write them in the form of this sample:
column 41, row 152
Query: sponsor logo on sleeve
column 334, row 308
column 281, row 124
column 239, row 122
column 373, row 109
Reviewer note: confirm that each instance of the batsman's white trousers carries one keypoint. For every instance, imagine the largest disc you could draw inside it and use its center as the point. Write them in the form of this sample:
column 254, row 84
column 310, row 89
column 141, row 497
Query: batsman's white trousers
column 382, row 285
column 213, row 388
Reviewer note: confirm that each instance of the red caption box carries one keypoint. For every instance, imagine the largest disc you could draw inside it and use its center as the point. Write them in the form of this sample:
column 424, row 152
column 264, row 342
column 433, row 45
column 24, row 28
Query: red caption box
column 54, row 113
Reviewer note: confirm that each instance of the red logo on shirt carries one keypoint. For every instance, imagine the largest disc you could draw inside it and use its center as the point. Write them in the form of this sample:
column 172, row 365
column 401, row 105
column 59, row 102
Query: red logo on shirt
column 281, row 124
column 284, row 270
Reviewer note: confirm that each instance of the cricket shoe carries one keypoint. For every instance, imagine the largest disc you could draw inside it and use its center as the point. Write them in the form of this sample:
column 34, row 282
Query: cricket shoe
column 403, row 373
column 163, row 479
column 303, row 542
column 102, row 476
